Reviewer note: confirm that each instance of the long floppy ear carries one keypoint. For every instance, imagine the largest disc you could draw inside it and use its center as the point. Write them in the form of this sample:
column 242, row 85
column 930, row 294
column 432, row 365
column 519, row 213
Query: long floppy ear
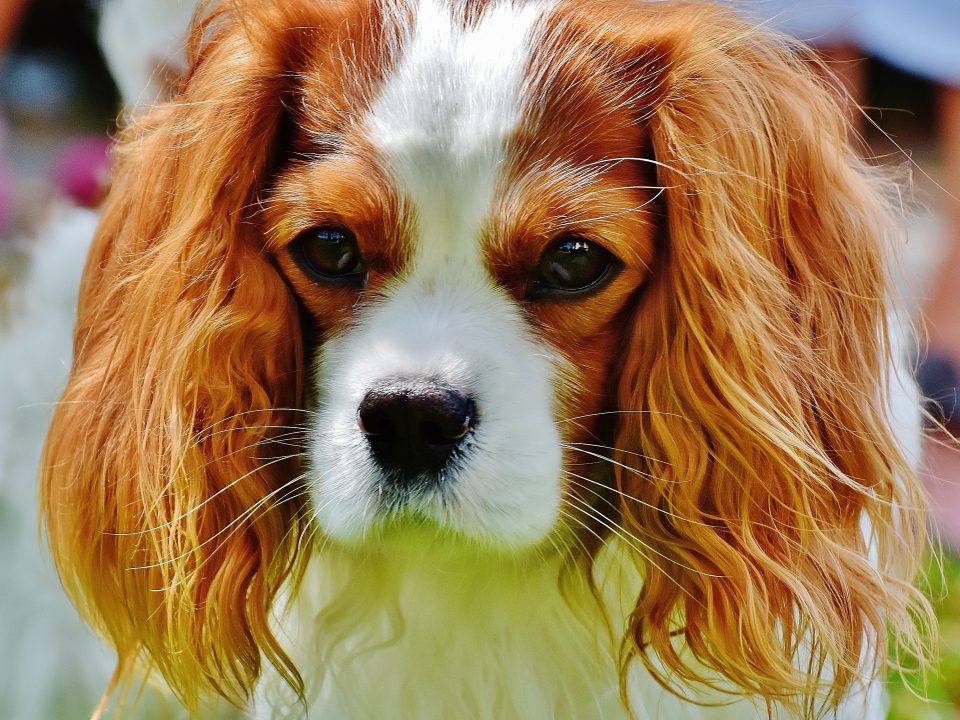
column 171, row 516
column 772, row 479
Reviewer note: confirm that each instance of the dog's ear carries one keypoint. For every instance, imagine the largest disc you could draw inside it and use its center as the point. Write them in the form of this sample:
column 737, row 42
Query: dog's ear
column 170, row 510
column 784, row 519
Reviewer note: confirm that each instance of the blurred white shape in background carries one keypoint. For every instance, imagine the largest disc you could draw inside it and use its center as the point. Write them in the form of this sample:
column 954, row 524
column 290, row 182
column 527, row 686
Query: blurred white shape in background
column 143, row 43
column 51, row 665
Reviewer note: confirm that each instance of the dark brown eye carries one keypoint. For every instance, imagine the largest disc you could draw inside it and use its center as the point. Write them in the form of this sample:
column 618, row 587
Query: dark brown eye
column 570, row 266
column 329, row 252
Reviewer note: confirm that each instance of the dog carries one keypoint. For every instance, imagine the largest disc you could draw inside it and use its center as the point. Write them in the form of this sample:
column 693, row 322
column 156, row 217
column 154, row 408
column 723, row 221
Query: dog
column 491, row 359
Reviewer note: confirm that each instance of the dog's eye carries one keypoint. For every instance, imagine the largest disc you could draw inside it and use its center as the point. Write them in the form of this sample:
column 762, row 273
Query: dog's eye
column 328, row 252
column 572, row 265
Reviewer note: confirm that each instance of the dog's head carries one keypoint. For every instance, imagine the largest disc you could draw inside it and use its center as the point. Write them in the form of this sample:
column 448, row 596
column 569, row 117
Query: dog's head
column 529, row 275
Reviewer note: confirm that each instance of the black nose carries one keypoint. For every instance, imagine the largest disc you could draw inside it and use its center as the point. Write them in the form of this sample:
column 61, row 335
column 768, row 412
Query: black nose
column 414, row 426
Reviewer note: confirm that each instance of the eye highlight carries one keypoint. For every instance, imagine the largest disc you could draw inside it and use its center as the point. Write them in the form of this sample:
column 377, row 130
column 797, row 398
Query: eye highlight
column 572, row 266
column 328, row 252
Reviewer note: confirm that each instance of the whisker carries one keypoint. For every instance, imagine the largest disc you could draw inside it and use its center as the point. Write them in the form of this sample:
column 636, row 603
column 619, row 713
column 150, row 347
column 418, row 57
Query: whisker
column 633, row 541
column 617, row 463
column 610, row 460
column 200, row 438
column 589, row 512
column 240, row 518
column 623, row 412
column 600, row 191
column 582, row 426
column 285, row 439
column 222, row 490
column 600, row 446
column 311, row 525
column 625, row 534
column 613, row 162
column 608, row 216
column 563, row 550
column 223, row 420
column 294, row 438
column 53, row 404
column 644, row 503
column 292, row 495
column 567, row 514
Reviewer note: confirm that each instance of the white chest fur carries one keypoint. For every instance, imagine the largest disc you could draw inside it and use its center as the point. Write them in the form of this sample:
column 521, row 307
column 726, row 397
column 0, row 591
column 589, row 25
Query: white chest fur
column 416, row 635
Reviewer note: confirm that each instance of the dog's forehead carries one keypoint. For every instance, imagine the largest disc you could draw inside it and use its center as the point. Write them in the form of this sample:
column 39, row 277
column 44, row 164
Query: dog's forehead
column 453, row 98
column 446, row 111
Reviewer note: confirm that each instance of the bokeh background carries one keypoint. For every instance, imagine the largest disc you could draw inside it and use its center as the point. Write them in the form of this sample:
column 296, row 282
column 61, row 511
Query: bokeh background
column 58, row 108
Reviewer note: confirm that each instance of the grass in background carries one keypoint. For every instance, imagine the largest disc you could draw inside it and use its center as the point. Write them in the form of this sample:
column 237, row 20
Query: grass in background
column 943, row 689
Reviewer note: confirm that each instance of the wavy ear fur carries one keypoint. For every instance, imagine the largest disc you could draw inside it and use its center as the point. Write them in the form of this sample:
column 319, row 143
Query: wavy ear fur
column 172, row 519
column 758, row 357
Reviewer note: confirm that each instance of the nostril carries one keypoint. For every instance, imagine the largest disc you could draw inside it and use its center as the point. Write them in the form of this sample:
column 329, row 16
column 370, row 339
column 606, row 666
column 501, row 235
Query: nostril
column 377, row 415
column 435, row 435
column 450, row 422
column 415, row 425
column 370, row 424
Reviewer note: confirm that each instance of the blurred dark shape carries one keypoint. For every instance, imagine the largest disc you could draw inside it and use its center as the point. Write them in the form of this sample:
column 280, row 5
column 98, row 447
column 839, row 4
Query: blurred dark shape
column 55, row 69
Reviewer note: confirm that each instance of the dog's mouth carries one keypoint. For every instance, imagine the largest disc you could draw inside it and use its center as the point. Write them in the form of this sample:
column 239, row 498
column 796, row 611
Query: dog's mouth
column 424, row 500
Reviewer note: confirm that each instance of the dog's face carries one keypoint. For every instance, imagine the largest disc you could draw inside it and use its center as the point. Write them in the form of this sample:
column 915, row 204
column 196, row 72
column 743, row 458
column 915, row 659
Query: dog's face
column 466, row 233
column 510, row 272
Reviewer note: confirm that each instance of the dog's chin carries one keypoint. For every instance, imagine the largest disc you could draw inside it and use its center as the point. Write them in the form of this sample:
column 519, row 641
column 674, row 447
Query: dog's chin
column 430, row 517
column 412, row 535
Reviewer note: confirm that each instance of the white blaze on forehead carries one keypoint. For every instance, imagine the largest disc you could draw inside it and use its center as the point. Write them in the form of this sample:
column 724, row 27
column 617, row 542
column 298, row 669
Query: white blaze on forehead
column 446, row 112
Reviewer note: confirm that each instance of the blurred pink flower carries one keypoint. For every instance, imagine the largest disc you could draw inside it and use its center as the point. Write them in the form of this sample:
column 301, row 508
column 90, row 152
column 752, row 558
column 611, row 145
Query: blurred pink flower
column 82, row 172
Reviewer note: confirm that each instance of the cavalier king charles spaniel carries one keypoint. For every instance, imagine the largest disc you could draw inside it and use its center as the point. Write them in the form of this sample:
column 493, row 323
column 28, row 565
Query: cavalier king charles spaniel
column 514, row 359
